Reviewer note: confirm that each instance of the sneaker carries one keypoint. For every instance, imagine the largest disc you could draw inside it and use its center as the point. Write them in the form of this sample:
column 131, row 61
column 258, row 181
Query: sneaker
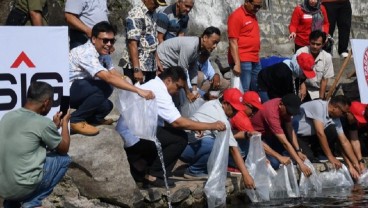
column 159, row 183
column 344, row 55
column 192, row 176
column 233, row 171
column 83, row 128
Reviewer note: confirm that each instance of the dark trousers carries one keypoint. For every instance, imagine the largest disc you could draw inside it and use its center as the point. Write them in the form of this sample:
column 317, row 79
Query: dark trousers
column 90, row 99
column 276, row 145
column 173, row 142
column 148, row 75
column 77, row 38
column 340, row 13
column 311, row 146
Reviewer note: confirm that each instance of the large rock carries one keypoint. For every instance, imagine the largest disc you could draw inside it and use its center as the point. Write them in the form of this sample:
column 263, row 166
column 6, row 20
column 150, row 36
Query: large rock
column 100, row 169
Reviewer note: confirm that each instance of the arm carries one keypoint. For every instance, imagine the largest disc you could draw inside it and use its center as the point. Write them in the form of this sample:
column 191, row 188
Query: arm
column 63, row 147
column 294, row 140
column 318, row 125
column 348, row 151
column 269, row 151
column 36, row 17
column 238, row 159
column 160, row 37
column 322, row 89
column 185, row 123
column 74, row 22
column 355, row 143
column 235, row 55
column 294, row 22
column 134, row 58
column 326, row 24
column 302, row 91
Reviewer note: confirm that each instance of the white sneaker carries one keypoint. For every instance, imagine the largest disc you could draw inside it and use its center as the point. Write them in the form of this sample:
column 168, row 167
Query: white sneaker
column 344, row 55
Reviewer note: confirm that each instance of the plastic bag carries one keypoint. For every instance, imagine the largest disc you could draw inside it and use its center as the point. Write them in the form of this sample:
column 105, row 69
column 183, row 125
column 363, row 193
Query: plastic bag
column 363, row 179
column 257, row 168
column 310, row 186
column 139, row 114
column 188, row 108
column 217, row 170
column 235, row 82
column 336, row 178
column 284, row 184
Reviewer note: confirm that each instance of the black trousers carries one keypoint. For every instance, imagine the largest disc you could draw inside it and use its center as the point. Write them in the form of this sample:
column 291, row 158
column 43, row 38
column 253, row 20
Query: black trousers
column 148, row 75
column 311, row 146
column 339, row 13
column 173, row 142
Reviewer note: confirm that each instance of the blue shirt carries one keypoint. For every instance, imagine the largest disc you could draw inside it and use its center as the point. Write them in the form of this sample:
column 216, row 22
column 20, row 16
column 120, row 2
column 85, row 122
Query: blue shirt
column 169, row 24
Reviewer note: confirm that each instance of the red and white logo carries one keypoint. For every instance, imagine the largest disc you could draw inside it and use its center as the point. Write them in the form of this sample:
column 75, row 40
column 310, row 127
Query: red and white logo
column 365, row 64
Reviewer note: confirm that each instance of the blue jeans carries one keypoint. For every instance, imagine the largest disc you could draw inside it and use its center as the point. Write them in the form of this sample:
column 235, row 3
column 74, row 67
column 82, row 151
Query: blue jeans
column 243, row 145
column 249, row 75
column 276, row 145
column 90, row 99
column 54, row 170
column 197, row 154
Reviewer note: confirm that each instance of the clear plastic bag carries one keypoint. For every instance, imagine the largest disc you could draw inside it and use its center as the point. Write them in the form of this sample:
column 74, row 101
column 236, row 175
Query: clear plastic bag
column 257, row 168
column 310, row 186
column 336, row 178
column 284, row 184
column 217, row 170
column 188, row 109
column 363, row 179
column 235, row 82
column 139, row 114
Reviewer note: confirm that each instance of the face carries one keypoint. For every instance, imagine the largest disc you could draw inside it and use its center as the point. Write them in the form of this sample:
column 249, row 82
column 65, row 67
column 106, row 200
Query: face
column 104, row 42
column 250, row 110
column 338, row 111
column 316, row 46
column 283, row 112
column 184, row 7
column 229, row 110
column 151, row 5
column 210, row 42
column 253, row 6
column 172, row 86
column 312, row 3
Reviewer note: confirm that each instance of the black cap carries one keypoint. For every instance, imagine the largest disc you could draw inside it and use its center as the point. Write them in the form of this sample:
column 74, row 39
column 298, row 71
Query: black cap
column 292, row 103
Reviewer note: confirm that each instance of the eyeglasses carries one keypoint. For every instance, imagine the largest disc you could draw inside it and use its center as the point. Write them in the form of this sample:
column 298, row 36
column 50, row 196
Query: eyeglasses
column 106, row 40
column 255, row 6
column 251, row 107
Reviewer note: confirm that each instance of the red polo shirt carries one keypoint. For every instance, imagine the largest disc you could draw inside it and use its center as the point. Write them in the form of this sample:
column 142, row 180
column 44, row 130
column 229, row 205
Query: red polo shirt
column 244, row 27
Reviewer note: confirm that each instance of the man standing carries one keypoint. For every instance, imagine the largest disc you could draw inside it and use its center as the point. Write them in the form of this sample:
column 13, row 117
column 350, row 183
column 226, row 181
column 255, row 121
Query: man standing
column 323, row 66
column 81, row 16
column 142, row 155
column 28, row 12
column 245, row 43
column 139, row 61
column 184, row 52
column 172, row 21
column 28, row 173
column 91, row 78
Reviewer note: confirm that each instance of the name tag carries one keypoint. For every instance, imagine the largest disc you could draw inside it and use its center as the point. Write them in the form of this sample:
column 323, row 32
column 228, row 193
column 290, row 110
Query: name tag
column 307, row 16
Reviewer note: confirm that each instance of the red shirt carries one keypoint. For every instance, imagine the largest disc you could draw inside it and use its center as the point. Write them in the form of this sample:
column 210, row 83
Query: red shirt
column 244, row 27
column 268, row 120
column 241, row 122
column 301, row 24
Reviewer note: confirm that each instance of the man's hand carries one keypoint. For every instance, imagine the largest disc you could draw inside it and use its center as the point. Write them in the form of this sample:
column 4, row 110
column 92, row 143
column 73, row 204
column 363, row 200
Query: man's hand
column 354, row 173
column 192, row 97
column 138, row 76
column 248, row 181
column 302, row 156
column 305, row 170
column 292, row 35
column 57, row 119
column 335, row 162
column 219, row 126
column 302, row 91
column 148, row 94
column 284, row 160
column 236, row 70
column 216, row 82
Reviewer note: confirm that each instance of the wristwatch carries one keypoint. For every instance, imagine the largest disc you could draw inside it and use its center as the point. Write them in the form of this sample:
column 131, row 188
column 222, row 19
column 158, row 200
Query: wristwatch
column 361, row 160
column 298, row 150
column 136, row 69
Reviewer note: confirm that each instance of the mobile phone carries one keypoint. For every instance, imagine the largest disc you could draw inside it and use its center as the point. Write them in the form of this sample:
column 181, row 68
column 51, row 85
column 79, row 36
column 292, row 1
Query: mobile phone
column 64, row 105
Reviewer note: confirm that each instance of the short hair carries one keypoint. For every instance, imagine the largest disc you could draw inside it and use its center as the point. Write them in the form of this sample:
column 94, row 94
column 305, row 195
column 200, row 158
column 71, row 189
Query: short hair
column 39, row 91
column 174, row 72
column 210, row 30
column 103, row 26
column 340, row 99
column 317, row 34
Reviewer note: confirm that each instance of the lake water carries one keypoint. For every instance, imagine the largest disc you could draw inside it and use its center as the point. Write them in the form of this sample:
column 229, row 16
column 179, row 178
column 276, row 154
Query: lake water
column 355, row 197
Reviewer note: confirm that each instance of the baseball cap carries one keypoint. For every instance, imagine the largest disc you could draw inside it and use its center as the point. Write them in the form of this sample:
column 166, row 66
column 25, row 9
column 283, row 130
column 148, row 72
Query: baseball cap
column 292, row 103
column 234, row 97
column 252, row 98
column 306, row 63
column 161, row 2
column 358, row 110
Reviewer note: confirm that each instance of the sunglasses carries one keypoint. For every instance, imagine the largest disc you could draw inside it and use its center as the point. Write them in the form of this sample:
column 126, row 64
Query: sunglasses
column 106, row 40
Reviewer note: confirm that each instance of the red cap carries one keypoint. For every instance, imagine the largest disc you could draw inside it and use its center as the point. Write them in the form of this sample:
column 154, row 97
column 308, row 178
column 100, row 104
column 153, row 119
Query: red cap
column 252, row 98
column 234, row 97
column 358, row 110
column 241, row 122
column 306, row 63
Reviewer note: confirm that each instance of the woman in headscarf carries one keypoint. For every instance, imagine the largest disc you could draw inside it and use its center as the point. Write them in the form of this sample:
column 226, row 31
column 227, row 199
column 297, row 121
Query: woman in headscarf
column 308, row 16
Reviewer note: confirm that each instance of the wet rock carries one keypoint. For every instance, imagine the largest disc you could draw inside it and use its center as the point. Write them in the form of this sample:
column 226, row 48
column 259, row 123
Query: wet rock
column 180, row 195
column 198, row 193
column 152, row 195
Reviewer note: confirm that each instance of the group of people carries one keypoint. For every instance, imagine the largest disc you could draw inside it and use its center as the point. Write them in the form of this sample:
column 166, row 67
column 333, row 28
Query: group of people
column 285, row 102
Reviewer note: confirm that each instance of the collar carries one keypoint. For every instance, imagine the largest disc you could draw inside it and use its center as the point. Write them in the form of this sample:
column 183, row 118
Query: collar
column 143, row 7
column 247, row 13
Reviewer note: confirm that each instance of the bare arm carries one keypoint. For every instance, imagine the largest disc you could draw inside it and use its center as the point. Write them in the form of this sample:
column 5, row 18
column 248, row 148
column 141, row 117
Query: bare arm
column 36, row 17
column 322, row 89
column 185, row 123
column 294, row 140
column 269, row 151
column 235, row 54
column 353, row 171
column 160, row 37
column 355, row 143
column 64, row 144
column 75, row 23
column 238, row 159
column 134, row 58
column 348, row 150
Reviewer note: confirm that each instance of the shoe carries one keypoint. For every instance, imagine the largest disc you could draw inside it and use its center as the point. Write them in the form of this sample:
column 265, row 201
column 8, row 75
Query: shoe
column 159, row 183
column 344, row 55
column 103, row 122
column 233, row 171
column 83, row 128
column 192, row 176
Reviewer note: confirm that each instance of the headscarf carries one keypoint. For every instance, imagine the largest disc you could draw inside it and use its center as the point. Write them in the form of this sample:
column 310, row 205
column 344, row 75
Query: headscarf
column 317, row 17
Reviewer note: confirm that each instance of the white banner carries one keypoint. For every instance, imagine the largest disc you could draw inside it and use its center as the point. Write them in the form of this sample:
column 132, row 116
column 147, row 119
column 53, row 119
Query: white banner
column 32, row 54
column 360, row 52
